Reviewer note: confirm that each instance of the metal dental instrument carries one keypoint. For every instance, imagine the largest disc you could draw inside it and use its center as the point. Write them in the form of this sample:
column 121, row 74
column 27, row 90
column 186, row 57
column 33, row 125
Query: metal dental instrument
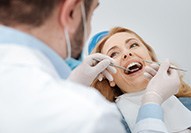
column 172, row 67
column 111, row 64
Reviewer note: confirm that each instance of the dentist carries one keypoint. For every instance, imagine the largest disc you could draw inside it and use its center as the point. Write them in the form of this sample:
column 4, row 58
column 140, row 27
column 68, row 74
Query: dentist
column 37, row 38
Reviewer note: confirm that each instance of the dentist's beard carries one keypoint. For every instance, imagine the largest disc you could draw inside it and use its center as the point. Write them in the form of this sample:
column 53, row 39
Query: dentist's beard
column 77, row 42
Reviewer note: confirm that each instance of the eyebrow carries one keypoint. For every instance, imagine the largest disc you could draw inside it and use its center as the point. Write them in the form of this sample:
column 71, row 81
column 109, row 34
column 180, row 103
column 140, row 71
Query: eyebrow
column 111, row 49
column 126, row 41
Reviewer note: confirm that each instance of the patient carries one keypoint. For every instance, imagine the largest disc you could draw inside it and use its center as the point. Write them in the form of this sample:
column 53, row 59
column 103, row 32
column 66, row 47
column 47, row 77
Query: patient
column 129, row 50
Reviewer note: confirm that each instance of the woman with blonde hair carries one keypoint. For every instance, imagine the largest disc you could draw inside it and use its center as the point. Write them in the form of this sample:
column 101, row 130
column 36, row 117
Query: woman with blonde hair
column 131, row 52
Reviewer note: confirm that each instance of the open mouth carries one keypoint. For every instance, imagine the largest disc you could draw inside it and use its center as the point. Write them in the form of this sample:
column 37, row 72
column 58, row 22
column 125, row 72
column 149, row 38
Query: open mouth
column 133, row 67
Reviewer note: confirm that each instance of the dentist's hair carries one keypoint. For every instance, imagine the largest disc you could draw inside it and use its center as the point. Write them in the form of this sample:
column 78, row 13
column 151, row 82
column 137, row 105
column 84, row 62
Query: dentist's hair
column 30, row 12
column 112, row 92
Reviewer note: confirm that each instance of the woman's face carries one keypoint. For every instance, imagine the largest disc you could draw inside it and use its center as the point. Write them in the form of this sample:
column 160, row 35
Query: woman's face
column 128, row 51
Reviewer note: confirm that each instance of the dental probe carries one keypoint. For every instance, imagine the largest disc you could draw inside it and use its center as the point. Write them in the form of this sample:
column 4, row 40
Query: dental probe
column 172, row 67
column 114, row 65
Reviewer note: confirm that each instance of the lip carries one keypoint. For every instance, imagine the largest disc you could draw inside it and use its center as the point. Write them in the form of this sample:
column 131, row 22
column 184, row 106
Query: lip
column 137, row 73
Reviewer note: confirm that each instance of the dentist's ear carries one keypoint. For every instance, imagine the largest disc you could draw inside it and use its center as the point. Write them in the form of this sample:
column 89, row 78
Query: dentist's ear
column 70, row 15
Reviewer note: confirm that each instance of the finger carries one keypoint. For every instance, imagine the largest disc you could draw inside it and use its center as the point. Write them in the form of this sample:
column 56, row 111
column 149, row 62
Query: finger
column 174, row 74
column 150, row 70
column 93, row 62
column 99, row 57
column 147, row 76
column 101, row 66
column 111, row 69
column 155, row 66
column 107, row 75
column 164, row 66
column 100, row 77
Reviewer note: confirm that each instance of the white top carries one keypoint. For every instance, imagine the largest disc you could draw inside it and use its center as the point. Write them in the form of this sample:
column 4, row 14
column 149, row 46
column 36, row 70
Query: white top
column 176, row 116
column 33, row 99
column 36, row 98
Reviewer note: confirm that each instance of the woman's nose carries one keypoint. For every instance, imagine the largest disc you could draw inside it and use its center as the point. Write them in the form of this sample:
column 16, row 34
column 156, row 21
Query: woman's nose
column 126, row 55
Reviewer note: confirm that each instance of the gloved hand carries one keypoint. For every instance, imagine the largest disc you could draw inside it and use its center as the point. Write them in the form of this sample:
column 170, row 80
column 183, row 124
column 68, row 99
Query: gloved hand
column 151, row 71
column 90, row 69
column 163, row 85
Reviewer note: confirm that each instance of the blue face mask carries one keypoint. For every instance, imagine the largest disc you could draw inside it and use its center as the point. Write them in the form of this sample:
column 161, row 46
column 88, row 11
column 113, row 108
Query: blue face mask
column 72, row 63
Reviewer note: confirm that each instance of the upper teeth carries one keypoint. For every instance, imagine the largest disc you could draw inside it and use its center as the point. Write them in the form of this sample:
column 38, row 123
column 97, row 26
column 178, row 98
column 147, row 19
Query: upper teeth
column 133, row 63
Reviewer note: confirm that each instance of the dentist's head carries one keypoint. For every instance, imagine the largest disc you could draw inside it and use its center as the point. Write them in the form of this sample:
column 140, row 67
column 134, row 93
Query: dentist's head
column 63, row 25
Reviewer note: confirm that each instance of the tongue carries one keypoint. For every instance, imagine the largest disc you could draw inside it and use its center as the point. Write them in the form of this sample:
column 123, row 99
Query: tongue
column 132, row 69
column 135, row 67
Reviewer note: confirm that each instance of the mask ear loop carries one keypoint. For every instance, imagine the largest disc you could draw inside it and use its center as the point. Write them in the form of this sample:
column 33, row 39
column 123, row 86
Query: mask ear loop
column 68, row 44
column 84, row 21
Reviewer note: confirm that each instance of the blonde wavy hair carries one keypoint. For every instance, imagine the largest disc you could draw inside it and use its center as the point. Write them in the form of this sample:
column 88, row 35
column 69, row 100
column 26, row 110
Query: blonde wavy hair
column 112, row 92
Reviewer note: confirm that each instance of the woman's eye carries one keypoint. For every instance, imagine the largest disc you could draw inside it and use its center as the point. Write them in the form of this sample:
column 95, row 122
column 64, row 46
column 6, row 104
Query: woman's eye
column 134, row 45
column 112, row 55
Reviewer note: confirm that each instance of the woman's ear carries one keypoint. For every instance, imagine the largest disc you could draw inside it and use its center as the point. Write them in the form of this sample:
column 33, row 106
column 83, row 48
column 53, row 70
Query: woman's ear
column 112, row 83
column 70, row 15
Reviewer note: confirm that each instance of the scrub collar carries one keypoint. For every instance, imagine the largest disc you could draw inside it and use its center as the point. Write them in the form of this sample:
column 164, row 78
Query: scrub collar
column 11, row 36
column 73, row 63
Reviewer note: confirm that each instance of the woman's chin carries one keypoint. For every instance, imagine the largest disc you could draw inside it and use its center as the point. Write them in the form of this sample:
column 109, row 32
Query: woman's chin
column 137, row 84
